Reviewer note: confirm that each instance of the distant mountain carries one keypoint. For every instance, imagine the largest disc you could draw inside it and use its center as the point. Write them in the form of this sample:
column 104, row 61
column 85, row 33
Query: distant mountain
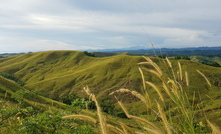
column 166, row 51
column 118, row 49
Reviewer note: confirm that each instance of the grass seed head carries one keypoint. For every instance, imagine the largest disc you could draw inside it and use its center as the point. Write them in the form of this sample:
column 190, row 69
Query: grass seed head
column 204, row 76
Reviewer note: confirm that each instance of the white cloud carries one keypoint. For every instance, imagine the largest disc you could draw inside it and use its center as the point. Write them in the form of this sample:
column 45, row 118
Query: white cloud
column 18, row 45
column 106, row 24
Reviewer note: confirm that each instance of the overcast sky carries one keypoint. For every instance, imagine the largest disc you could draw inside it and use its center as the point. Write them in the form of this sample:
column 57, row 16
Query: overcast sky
column 39, row 25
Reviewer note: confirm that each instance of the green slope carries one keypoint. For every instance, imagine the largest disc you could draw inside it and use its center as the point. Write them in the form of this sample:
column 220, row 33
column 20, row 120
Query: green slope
column 207, row 58
column 64, row 72
column 57, row 74
column 12, row 93
column 61, row 73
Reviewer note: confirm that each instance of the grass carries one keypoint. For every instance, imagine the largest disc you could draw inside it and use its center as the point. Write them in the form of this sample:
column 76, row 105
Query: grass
column 8, row 88
column 170, row 90
column 66, row 72
column 179, row 117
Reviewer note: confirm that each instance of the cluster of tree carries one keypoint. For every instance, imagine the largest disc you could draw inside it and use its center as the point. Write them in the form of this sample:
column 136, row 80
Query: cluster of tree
column 89, row 54
column 162, row 56
column 215, row 64
column 176, row 57
column 83, row 103
column 182, row 57
column 12, row 77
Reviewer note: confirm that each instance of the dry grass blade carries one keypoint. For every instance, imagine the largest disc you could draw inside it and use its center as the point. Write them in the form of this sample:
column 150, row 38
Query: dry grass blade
column 174, row 88
column 153, row 72
column 146, row 122
column 214, row 128
column 139, row 96
column 123, row 108
column 87, row 90
column 151, row 131
column 147, row 98
column 180, row 71
column 156, row 89
column 170, row 65
column 165, row 121
column 208, row 82
column 102, row 121
column 180, row 87
column 168, row 62
column 135, row 93
column 122, row 90
column 101, row 118
column 187, row 78
column 81, row 117
column 116, row 129
column 126, row 128
column 142, row 76
column 153, row 64
column 167, row 90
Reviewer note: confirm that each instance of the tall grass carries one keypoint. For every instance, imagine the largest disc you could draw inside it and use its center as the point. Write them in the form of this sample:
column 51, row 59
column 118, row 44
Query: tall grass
column 180, row 117
column 174, row 111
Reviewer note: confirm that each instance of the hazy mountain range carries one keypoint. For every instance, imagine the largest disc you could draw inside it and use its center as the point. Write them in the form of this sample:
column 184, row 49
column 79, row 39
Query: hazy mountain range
column 166, row 51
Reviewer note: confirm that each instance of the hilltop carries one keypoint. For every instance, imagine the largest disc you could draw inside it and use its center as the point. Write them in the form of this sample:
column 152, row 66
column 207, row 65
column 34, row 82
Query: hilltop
column 62, row 73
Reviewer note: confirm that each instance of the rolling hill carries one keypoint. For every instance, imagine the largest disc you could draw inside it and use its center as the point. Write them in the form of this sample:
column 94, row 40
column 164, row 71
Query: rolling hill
column 60, row 74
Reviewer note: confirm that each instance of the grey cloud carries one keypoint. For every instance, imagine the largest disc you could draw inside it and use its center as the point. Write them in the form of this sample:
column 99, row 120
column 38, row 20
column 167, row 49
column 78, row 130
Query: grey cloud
column 115, row 23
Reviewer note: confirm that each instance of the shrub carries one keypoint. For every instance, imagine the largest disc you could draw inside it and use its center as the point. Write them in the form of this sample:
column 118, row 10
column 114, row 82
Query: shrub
column 12, row 77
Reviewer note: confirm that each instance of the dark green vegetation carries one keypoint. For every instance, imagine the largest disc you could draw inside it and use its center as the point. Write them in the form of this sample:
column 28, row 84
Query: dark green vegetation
column 53, row 88
column 211, row 60
column 5, row 55
column 174, row 51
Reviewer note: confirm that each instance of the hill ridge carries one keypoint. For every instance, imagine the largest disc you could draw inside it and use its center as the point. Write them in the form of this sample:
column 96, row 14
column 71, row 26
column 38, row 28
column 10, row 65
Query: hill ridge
column 67, row 72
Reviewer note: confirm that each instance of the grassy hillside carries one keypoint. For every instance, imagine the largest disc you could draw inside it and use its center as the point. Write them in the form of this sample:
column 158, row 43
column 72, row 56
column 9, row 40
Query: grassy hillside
column 61, row 74
column 66, row 72
column 215, row 58
column 14, row 94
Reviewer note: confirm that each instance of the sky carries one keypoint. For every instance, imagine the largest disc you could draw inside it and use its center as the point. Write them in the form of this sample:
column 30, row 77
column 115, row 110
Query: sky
column 41, row 25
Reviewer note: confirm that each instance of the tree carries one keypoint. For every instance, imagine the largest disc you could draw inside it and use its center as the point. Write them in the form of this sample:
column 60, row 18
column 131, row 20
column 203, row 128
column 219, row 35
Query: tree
column 12, row 77
column 89, row 54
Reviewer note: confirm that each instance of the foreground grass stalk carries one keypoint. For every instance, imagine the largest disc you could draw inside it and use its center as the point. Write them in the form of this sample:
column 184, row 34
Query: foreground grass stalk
column 172, row 88
column 165, row 121
column 149, row 124
column 115, row 129
column 214, row 128
column 208, row 82
column 81, row 117
column 102, row 121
